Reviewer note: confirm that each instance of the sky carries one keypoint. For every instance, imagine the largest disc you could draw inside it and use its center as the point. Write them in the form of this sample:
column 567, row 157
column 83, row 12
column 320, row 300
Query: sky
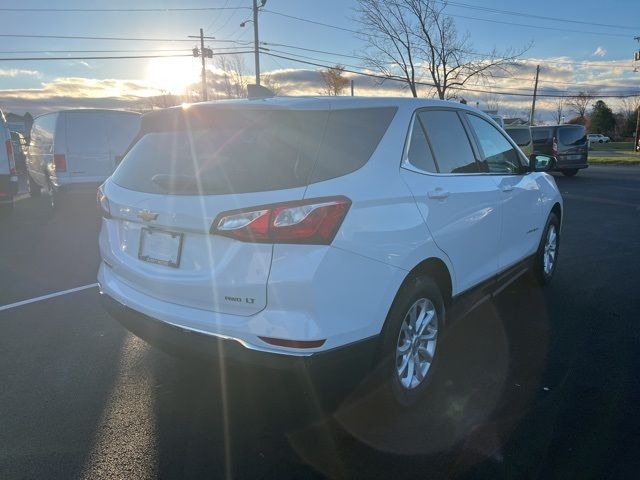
column 573, row 55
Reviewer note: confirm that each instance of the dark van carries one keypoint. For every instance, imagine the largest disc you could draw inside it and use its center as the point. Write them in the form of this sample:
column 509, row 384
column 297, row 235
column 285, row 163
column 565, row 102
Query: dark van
column 568, row 143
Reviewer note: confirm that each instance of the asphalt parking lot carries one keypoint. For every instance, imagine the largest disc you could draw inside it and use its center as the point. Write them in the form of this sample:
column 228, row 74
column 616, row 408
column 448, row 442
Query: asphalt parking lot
column 533, row 384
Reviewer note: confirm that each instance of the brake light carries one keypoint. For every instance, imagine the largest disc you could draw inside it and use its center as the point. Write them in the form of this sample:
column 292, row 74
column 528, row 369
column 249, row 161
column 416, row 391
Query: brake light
column 315, row 221
column 12, row 163
column 103, row 203
column 60, row 162
column 554, row 147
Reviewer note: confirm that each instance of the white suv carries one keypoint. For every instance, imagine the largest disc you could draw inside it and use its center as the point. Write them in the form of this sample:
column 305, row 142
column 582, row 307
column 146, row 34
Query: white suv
column 301, row 230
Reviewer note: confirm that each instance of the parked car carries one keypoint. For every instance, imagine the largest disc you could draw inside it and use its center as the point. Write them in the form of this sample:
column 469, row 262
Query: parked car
column 300, row 232
column 8, row 174
column 568, row 143
column 73, row 149
column 598, row 138
column 19, row 151
column 521, row 134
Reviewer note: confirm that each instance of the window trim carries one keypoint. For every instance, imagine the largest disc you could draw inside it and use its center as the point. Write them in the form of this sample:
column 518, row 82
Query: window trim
column 407, row 165
column 523, row 167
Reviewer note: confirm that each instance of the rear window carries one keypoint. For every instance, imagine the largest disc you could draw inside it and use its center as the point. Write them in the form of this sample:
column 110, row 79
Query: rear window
column 541, row 135
column 242, row 151
column 521, row 136
column 572, row 135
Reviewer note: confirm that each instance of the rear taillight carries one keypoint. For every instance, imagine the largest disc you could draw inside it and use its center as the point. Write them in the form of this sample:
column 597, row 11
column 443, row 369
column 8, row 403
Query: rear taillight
column 103, row 204
column 314, row 221
column 12, row 163
column 60, row 162
column 554, row 147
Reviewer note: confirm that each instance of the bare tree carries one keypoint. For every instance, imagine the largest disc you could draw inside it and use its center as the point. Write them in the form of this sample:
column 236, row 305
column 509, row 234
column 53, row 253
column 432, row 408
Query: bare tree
column 559, row 109
column 415, row 41
column 580, row 102
column 234, row 83
column 334, row 80
column 269, row 81
column 629, row 106
column 492, row 102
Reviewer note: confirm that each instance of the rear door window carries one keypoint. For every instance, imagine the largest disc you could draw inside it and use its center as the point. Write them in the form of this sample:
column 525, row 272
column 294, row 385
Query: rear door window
column 572, row 135
column 448, row 138
column 87, row 133
column 498, row 154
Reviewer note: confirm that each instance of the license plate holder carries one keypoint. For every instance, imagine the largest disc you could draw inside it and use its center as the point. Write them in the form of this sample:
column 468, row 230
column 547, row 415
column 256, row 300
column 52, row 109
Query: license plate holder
column 160, row 247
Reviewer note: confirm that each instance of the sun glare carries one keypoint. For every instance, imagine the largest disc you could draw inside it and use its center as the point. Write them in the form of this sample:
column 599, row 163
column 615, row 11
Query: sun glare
column 172, row 74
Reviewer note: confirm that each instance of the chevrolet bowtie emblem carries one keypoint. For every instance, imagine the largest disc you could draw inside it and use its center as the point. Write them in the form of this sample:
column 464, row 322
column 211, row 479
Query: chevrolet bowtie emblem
column 147, row 215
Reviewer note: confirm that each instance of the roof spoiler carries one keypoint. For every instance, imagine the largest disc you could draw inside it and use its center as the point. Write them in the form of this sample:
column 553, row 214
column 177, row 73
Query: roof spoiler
column 255, row 92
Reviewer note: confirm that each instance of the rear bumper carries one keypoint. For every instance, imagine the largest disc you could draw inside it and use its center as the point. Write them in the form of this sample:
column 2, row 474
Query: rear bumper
column 564, row 164
column 357, row 357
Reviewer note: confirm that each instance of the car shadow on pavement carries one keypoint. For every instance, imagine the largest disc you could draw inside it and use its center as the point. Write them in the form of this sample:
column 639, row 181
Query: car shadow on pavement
column 246, row 422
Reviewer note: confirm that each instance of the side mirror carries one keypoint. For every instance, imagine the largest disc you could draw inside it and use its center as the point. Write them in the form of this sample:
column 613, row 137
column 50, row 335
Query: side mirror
column 539, row 162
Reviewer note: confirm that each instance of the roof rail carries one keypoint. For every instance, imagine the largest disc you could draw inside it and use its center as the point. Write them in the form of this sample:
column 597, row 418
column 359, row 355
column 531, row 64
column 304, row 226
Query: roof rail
column 255, row 92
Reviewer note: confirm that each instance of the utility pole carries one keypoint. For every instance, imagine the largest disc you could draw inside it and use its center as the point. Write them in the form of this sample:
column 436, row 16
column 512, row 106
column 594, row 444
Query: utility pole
column 203, row 53
column 256, row 41
column 637, row 135
column 535, row 94
column 352, row 87
column 204, row 72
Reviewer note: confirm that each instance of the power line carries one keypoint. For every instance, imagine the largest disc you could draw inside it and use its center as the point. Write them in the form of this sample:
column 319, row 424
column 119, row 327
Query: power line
column 475, row 84
column 127, row 10
column 114, row 57
column 284, row 45
column 465, row 89
column 528, row 15
column 541, row 27
column 134, row 39
column 307, row 20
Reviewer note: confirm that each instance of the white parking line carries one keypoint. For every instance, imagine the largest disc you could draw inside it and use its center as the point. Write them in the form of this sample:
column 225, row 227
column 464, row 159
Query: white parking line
column 46, row 297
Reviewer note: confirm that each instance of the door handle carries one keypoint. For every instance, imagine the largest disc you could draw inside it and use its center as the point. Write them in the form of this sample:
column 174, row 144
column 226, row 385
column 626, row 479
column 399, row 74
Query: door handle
column 438, row 194
column 507, row 188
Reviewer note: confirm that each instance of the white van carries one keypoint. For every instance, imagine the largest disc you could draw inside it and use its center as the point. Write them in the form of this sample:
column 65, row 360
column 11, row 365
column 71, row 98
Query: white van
column 75, row 148
column 8, row 175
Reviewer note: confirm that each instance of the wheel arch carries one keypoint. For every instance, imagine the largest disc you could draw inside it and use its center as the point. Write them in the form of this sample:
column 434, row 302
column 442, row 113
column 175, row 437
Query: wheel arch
column 436, row 269
column 557, row 209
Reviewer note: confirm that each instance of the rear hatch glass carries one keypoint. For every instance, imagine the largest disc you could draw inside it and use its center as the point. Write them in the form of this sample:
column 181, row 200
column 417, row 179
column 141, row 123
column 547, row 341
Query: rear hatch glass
column 250, row 150
column 572, row 135
column 541, row 135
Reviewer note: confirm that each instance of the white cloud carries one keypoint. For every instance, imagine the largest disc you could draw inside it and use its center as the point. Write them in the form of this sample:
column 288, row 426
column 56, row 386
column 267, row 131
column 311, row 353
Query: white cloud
column 18, row 72
column 599, row 52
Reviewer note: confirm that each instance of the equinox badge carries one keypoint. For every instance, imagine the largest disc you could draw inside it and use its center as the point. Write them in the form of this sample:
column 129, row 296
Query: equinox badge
column 147, row 215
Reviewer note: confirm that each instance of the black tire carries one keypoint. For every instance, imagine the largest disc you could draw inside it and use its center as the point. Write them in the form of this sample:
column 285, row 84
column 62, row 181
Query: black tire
column 570, row 172
column 542, row 276
column 34, row 189
column 414, row 289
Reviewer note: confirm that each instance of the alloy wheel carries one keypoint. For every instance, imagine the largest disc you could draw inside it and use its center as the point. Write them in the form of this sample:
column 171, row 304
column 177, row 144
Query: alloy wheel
column 416, row 344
